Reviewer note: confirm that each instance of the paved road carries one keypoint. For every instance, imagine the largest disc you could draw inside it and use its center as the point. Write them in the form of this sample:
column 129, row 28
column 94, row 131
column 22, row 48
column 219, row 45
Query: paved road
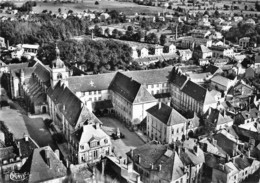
column 122, row 146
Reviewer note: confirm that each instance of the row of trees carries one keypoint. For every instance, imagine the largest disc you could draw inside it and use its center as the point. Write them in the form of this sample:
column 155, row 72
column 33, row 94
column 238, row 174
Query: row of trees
column 26, row 7
column 43, row 29
column 98, row 56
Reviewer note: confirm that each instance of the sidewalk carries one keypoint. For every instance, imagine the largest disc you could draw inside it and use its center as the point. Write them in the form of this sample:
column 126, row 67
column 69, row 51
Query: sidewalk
column 143, row 137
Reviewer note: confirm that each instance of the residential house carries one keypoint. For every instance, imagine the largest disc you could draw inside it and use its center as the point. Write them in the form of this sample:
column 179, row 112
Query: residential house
column 142, row 52
column 198, row 77
column 158, row 50
column 250, row 21
column 193, row 158
column 43, row 165
column 104, row 16
column 165, row 124
column 13, row 157
column 185, row 55
column 177, row 81
column 196, row 98
column 244, row 42
column 202, row 52
column 227, row 172
column 130, row 99
column 191, row 42
column 2, row 42
column 156, row 81
column 90, row 143
column 247, row 116
column 170, row 48
column 217, row 120
column 222, row 51
column 236, row 170
column 221, row 83
column 156, row 162
column 121, row 169
column 228, row 143
column 148, row 18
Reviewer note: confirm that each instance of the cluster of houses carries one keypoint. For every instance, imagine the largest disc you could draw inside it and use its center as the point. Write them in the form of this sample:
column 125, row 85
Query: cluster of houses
column 174, row 106
column 201, row 121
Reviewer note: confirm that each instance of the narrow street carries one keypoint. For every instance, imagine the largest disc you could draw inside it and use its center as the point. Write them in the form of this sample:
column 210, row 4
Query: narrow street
column 19, row 123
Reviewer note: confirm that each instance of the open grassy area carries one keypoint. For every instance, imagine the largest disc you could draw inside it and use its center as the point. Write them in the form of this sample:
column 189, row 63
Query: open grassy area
column 126, row 7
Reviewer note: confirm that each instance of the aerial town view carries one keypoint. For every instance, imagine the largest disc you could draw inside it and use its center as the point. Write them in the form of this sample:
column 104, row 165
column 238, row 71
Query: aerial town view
column 130, row 91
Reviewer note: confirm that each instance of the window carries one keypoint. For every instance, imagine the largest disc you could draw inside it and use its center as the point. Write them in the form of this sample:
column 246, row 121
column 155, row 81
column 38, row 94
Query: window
column 95, row 154
column 81, row 147
column 99, row 92
column 105, row 141
column 99, row 98
column 90, row 93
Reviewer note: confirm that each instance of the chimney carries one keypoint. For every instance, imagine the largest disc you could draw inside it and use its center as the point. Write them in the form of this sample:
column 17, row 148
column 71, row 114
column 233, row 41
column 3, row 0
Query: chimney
column 47, row 157
column 97, row 125
column 19, row 148
column 92, row 34
column 214, row 141
column 57, row 153
column 7, row 45
column 160, row 167
column 139, row 159
column 179, row 150
column 159, row 105
column 131, row 153
column 26, row 138
column 67, row 163
column 138, row 180
column 129, row 167
column 248, row 153
column 152, row 166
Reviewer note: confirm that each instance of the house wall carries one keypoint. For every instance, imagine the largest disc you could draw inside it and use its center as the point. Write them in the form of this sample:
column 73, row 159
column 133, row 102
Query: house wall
column 139, row 110
column 156, row 88
column 93, row 96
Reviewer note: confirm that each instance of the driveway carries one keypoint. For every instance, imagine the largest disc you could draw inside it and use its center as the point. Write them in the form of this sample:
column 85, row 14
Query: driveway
column 122, row 146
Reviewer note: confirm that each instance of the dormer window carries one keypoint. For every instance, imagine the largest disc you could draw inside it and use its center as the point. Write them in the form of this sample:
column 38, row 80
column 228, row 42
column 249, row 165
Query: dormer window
column 81, row 147
column 59, row 76
column 94, row 144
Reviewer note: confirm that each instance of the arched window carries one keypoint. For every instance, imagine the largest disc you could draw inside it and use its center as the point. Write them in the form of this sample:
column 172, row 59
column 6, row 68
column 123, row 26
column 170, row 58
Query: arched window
column 59, row 76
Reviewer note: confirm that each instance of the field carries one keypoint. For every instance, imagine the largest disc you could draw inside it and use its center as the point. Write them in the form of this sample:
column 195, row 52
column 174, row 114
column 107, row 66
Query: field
column 126, row 7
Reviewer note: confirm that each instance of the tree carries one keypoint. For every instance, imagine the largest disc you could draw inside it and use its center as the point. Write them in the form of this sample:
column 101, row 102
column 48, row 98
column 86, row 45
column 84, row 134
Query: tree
column 107, row 32
column 257, row 6
column 151, row 38
column 115, row 33
column 163, row 39
column 96, row 3
column 59, row 10
column 217, row 14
